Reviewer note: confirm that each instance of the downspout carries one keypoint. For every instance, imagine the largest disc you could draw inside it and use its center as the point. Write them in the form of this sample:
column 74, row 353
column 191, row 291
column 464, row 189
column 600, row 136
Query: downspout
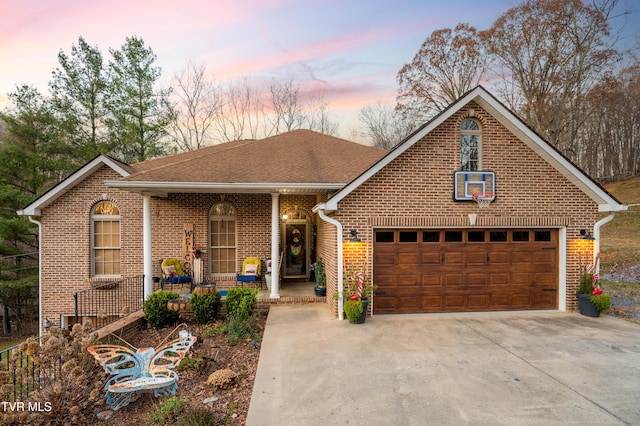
column 338, row 226
column 32, row 220
column 596, row 243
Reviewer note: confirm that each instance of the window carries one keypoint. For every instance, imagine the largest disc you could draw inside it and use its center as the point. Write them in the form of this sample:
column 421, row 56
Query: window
column 470, row 145
column 384, row 237
column 105, row 240
column 222, row 239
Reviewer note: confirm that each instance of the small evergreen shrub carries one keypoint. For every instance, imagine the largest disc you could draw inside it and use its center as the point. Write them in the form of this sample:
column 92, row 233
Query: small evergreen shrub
column 601, row 301
column 205, row 307
column 155, row 309
column 240, row 305
column 241, row 302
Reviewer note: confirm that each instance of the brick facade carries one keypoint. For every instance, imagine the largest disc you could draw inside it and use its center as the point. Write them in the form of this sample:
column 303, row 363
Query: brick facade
column 413, row 191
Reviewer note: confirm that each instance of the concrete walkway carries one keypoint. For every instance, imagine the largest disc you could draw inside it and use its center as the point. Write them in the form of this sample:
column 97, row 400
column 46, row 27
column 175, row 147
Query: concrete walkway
column 481, row 369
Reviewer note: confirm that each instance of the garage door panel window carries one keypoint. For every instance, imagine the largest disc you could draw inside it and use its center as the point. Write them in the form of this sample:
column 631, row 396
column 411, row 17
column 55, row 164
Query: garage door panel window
column 453, row 236
column 385, row 237
column 542, row 236
column 431, row 236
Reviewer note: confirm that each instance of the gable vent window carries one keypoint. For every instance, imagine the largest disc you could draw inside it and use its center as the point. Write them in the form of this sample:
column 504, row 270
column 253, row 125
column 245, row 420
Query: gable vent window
column 105, row 240
column 470, row 133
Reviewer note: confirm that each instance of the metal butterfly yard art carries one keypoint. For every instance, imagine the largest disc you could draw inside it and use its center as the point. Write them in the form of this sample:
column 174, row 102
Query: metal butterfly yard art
column 141, row 370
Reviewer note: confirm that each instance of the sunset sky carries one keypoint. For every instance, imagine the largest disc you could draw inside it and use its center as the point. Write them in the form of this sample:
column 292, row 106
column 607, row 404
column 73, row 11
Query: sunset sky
column 348, row 50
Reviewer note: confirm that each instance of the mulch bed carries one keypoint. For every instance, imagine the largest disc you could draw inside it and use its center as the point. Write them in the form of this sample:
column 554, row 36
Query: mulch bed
column 232, row 404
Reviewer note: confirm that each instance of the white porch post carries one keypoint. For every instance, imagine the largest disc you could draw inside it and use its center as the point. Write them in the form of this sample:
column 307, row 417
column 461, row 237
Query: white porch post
column 146, row 246
column 275, row 246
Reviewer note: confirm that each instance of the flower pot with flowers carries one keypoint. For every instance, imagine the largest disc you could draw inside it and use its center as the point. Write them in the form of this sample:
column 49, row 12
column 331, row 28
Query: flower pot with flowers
column 592, row 301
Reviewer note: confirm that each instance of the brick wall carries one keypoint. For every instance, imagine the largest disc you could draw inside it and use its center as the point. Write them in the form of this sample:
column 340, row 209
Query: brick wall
column 415, row 190
column 66, row 253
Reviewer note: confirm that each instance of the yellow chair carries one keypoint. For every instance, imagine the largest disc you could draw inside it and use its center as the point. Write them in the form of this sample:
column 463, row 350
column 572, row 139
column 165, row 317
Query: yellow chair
column 251, row 270
column 172, row 272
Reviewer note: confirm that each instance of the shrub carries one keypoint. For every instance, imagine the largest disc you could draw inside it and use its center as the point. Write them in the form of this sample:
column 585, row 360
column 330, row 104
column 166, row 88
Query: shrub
column 601, row 301
column 353, row 309
column 205, row 307
column 155, row 309
column 197, row 417
column 241, row 302
column 167, row 412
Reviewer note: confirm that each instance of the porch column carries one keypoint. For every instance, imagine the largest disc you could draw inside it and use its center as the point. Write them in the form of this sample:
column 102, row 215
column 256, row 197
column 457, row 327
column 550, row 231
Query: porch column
column 275, row 246
column 146, row 246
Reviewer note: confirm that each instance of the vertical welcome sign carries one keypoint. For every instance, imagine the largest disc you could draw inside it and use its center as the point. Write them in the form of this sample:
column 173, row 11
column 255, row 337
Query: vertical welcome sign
column 187, row 247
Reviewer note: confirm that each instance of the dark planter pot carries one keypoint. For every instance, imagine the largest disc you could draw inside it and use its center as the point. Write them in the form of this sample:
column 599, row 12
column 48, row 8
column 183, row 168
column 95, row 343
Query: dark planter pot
column 586, row 307
column 320, row 291
column 361, row 319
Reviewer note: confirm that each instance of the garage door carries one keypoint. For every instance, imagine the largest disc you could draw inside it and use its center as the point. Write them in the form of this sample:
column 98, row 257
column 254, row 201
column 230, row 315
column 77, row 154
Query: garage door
column 420, row 271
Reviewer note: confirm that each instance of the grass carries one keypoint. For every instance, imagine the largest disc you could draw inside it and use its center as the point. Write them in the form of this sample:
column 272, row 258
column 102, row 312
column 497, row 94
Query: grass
column 4, row 344
column 620, row 238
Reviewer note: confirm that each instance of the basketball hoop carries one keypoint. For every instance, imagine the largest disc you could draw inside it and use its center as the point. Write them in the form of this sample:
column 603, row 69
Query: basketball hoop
column 483, row 199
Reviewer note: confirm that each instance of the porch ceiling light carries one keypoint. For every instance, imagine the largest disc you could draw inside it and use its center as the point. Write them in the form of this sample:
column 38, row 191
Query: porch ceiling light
column 586, row 235
column 354, row 236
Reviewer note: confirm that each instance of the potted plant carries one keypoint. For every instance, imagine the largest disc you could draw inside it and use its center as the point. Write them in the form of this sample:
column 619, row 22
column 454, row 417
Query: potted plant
column 592, row 301
column 320, row 287
column 356, row 299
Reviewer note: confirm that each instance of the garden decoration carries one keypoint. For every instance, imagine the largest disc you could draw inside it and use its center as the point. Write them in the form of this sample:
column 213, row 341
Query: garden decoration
column 358, row 276
column 141, row 370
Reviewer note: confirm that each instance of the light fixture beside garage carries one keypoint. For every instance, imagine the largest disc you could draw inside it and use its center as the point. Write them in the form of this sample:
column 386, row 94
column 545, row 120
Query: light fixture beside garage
column 586, row 235
column 354, row 237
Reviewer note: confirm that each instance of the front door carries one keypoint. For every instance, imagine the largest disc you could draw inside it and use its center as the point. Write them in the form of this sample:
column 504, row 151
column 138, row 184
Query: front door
column 296, row 249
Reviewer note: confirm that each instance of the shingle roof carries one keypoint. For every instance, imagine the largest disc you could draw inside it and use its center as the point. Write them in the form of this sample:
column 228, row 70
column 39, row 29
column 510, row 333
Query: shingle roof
column 299, row 156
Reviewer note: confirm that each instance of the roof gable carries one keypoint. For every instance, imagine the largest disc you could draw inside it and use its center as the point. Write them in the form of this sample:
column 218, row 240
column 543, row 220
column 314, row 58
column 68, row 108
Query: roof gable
column 606, row 202
column 35, row 208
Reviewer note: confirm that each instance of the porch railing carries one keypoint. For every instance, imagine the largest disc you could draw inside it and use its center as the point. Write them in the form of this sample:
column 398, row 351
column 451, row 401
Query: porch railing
column 107, row 302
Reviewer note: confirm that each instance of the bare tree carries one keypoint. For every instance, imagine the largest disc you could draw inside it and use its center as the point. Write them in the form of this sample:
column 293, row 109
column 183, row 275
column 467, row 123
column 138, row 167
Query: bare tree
column 242, row 114
column 196, row 104
column 448, row 64
column 318, row 117
column 549, row 54
column 286, row 105
column 384, row 126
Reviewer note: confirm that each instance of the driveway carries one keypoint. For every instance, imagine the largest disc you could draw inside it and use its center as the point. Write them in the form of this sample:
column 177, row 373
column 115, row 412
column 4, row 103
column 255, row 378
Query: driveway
column 481, row 369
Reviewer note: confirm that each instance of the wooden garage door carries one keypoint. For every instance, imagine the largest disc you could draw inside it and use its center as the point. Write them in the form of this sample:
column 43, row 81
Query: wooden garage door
column 465, row 270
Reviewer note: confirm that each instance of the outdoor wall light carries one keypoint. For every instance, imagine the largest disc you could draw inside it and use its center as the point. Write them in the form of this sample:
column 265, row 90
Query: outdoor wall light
column 354, row 236
column 586, row 235
column 285, row 217
column 47, row 324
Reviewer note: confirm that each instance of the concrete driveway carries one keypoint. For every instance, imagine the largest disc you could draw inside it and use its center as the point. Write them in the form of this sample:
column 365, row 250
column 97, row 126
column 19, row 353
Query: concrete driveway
column 482, row 369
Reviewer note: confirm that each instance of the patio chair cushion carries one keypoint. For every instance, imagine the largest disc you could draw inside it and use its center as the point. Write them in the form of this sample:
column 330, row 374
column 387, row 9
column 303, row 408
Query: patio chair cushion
column 172, row 272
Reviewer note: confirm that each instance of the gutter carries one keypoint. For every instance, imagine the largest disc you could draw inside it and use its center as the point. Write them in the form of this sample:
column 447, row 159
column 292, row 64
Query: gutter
column 320, row 210
column 596, row 235
column 32, row 220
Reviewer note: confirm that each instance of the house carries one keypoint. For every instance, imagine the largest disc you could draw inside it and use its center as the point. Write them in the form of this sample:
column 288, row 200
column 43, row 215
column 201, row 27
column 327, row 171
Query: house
column 472, row 212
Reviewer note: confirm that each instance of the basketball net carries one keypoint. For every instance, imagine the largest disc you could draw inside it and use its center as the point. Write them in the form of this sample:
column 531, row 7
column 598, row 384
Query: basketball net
column 483, row 199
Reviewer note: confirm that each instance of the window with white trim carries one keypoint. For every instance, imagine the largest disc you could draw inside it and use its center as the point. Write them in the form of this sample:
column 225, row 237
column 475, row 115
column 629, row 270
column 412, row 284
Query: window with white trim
column 470, row 134
column 105, row 240
column 222, row 239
